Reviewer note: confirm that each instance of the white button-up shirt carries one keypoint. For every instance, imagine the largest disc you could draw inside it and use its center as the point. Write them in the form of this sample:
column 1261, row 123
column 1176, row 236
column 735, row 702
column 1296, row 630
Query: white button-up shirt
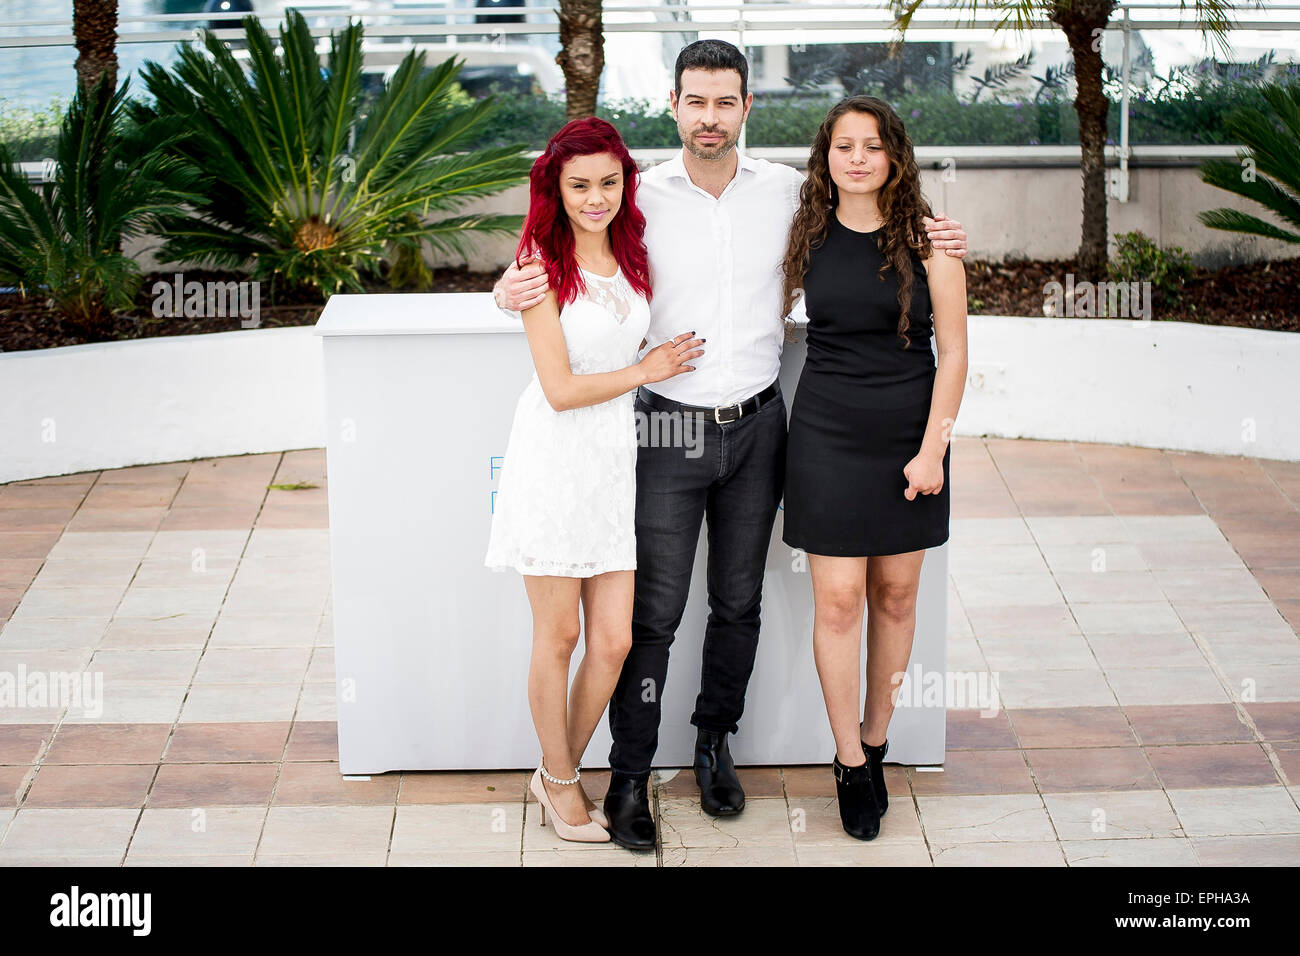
column 715, row 268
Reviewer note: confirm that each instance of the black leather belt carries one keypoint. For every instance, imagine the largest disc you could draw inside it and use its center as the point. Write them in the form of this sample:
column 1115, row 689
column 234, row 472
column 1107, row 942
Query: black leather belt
column 722, row 414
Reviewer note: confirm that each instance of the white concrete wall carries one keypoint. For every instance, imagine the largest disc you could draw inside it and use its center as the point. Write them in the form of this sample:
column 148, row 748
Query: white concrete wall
column 1161, row 385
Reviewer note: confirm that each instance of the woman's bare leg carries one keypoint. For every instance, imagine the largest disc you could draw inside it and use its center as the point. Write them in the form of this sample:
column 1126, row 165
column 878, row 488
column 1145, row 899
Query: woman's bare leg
column 607, row 623
column 554, row 602
column 839, row 594
column 892, row 583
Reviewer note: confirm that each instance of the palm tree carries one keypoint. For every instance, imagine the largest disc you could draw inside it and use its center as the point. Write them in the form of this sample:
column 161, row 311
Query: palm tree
column 63, row 238
column 1083, row 22
column 582, row 55
column 305, row 181
column 94, row 27
column 1267, row 171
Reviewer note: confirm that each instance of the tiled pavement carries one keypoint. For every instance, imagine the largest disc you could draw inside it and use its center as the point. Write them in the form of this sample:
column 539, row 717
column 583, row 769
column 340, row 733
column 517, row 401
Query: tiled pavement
column 1139, row 607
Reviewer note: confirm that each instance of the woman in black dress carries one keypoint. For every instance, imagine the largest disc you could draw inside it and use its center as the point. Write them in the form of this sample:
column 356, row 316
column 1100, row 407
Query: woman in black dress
column 866, row 482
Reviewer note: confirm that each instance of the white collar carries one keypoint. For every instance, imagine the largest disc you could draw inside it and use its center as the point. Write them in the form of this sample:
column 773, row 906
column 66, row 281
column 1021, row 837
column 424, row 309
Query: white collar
column 676, row 167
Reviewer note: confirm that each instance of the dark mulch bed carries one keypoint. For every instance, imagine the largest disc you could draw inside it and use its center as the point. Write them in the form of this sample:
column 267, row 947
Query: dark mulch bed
column 1258, row 296
column 1255, row 296
column 27, row 323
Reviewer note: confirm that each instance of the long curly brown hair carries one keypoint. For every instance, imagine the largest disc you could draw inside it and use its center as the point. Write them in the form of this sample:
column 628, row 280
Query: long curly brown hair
column 901, row 207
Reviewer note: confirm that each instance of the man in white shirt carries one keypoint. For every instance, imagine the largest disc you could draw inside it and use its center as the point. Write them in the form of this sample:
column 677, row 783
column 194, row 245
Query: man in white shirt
column 717, row 226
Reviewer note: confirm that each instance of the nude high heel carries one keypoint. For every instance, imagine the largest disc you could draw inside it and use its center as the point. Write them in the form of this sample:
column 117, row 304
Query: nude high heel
column 590, row 832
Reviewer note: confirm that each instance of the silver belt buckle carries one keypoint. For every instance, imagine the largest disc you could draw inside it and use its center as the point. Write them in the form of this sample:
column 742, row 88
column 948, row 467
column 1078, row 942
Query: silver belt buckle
column 740, row 410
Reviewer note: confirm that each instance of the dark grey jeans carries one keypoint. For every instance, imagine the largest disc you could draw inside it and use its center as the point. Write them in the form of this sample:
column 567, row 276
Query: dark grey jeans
column 732, row 478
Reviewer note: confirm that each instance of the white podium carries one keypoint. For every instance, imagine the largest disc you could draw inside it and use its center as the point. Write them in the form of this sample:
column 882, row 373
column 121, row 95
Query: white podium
column 431, row 647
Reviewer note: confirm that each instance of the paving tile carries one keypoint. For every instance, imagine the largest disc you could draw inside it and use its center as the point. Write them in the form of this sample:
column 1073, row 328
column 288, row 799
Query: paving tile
column 1011, row 620
column 1146, row 650
column 1191, row 766
column 1269, row 684
column 1169, row 851
column 1242, row 659
column 440, row 787
column 213, row 785
column 981, row 819
column 213, row 703
column 58, row 834
column 978, row 730
column 43, row 603
column 319, row 702
column 1110, row 587
column 253, row 665
column 1021, row 853
column 1072, row 727
column 1091, row 768
column 565, row 857
column 24, row 743
column 1171, row 685
column 459, row 858
column 1090, row 530
column 252, row 742
column 1089, row 557
column 1038, row 589
column 173, row 665
column 1212, row 586
column 1063, row 688
column 977, row 771
column 198, row 832
column 266, row 630
column 764, row 823
column 14, row 781
column 1115, row 815
column 460, row 827
column 1038, row 653
column 1131, row 617
column 171, row 862
column 78, row 633
column 1253, row 617
column 1276, row 721
column 1188, row 723
column 108, row 571
column 133, row 702
column 179, row 631
column 321, row 784
column 345, row 858
column 1270, row 850
column 1235, row 811
column 310, row 831
column 313, row 740
column 108, row 744
column 864, row 853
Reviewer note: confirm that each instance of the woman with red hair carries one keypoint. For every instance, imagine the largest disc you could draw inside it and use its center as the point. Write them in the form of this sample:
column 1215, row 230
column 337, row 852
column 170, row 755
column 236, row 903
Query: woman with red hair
column 565, row 508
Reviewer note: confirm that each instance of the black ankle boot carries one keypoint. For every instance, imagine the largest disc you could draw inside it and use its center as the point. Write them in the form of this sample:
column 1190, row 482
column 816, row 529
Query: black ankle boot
column 720, row 791
column 857, row 797
column 876, row 757
column 627, row 806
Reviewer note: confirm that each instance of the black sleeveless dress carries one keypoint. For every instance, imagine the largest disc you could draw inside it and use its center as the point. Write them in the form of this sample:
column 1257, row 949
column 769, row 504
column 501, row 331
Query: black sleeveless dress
column 861, row 408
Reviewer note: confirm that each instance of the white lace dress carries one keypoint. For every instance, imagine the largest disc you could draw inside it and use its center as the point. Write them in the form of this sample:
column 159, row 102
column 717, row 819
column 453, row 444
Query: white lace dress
column 566, row 502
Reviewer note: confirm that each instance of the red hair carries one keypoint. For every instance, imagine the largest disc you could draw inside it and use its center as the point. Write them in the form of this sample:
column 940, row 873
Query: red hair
column 547, row 229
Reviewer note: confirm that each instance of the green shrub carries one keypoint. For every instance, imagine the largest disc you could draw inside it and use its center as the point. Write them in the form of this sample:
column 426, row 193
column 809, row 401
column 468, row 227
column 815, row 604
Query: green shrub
column 1138, row 259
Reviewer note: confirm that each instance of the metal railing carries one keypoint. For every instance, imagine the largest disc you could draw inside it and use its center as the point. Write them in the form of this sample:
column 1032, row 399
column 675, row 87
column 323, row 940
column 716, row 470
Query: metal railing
column 415, row 22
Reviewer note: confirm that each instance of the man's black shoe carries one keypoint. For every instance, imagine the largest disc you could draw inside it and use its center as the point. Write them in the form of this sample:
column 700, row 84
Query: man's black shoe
column 720, row 791
column 627, row 806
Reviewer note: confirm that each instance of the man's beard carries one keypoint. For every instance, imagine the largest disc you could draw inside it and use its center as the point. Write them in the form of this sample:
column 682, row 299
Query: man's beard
column 710, row 153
